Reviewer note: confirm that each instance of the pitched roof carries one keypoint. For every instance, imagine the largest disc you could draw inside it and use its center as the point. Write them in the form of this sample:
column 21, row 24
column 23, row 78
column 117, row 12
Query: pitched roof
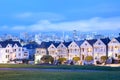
column 79, row 42
column 105, row 40
column 56, row 44
column 31, row 46
column 45, row 45
column 66, row 43
column 92, row 41
column 5, row 43
column 118, row 39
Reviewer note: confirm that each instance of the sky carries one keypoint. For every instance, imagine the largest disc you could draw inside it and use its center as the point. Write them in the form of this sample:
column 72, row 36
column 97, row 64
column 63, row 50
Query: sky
column 59, row 15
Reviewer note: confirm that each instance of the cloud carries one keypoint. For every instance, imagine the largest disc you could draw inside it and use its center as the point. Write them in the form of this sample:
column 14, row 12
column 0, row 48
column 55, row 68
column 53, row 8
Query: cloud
column 35, row 16
column 93, row 24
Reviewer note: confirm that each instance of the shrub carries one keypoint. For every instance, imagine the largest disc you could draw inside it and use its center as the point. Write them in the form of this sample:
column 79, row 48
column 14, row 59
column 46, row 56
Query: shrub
column 119, row 57
column 103, row 58
column 76, row 59
column 61, row 60
column 47, row 59
column 88, row 58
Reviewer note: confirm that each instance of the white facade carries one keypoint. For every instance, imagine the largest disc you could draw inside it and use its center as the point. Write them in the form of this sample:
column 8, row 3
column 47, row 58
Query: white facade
column 52, row 51
column 62, row 51
column 100, row 49
column 39, row 53
column 74, row 50
column 12, row 52
column 86, row 50
column 114, row 48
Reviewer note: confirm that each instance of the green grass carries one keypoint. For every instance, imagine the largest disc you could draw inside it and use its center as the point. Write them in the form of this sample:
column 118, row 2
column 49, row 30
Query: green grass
column 60, row 67
column 40, row 75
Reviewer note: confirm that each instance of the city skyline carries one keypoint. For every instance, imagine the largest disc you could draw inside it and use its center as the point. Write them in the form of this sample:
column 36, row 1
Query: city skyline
column 68, row 15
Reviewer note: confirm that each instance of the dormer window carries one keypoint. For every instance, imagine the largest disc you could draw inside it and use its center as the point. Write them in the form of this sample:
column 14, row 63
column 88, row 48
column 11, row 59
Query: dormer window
column 99, row 43
column 86, row 44
column 114, row 42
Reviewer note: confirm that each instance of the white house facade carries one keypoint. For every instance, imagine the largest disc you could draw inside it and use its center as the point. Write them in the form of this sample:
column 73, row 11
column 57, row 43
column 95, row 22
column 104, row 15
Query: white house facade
column 12, row 50
column 100, row 48
column 114, row 48
column 87, row 49
column 74, row 50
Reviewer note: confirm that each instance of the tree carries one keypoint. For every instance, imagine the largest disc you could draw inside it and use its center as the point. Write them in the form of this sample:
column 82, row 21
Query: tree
column 104, row 58
column 47, row 59
column 88, row 58
column 61, row 60
column 76, row 59
column 119, row 57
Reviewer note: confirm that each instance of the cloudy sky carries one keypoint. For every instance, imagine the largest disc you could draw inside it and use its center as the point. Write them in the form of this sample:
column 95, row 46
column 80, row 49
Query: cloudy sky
column 59, row 15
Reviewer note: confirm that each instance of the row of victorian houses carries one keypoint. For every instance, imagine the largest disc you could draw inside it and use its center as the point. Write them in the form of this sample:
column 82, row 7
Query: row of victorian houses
column 95, row 48
column 13, row 50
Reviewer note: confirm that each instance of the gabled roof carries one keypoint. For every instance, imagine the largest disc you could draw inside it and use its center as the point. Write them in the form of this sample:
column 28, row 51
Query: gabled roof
column 56, row 44
column 5, row 43
column 92, row 41
column 118, row 39
column 66, row 43
column 105, row 40
column 31, row 46
column 79, row 42
column 45, row 45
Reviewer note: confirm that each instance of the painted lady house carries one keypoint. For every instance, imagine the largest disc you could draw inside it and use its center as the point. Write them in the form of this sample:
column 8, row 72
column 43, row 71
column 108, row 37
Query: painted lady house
column 12, row 51
column 74, row 51
column 100, row 50
column 114, row 49
column 87, row 52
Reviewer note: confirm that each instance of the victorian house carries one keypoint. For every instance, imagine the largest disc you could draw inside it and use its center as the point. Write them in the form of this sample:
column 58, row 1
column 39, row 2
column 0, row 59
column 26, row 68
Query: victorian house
column 74, row 49
column 114, row 48
column 12, row 51
column 87, row 49
column 41, row 50
column 52, row 50
column 100, row 49
column 62, row 50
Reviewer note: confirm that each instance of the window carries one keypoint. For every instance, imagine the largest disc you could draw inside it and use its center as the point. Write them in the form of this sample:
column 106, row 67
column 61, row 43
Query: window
column 42, row 51
column 25, row 54
column 114, row 42
column 14, row 50
column 116, row 47
column 19, row 49
column 52, row 47
column 96, row 49
column 37, row 51
column 19, row 54
column 112, row 48
column 89, row 50
column 116, row 55
column 6, row 51
column 6, row 56
column 22, row 49
column 75, row 50
column 99, row 43
column 86, row 44
column 83, row 49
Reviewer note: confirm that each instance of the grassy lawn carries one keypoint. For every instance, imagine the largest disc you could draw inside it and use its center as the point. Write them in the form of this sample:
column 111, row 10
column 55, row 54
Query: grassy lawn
column 40, row 75
column 105, row 68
